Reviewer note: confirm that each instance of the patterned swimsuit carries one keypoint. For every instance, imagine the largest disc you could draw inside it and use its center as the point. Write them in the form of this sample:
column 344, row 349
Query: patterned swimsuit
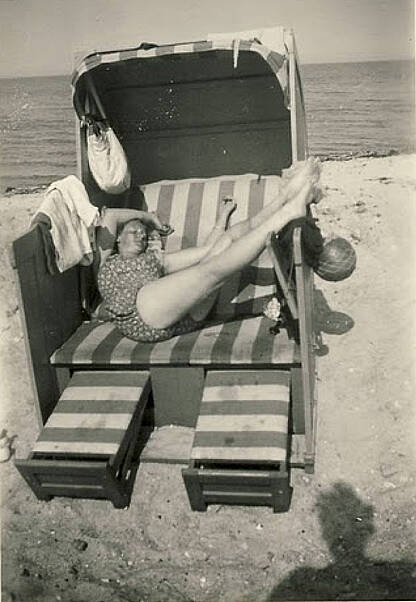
column 119, row 281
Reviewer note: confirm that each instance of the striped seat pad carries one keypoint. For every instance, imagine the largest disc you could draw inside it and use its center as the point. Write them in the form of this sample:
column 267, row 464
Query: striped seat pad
column 243, row 417
column 244, row 341
column 92, row 414
column 191, row 207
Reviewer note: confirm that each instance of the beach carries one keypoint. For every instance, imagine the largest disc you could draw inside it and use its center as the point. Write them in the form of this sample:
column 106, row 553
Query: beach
column 351, row 527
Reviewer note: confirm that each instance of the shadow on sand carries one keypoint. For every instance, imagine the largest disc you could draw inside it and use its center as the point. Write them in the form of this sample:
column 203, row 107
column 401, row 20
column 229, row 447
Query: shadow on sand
column 347, row 525
column 327, row 321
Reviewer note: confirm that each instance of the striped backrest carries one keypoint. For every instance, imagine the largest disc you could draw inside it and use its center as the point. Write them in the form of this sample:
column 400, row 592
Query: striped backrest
column 243, row 417
column 191, row 207
column 92, row 414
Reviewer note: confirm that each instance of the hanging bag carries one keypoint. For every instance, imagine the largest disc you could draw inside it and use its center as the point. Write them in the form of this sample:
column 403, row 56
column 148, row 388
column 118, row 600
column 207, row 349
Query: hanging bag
column 106, row 158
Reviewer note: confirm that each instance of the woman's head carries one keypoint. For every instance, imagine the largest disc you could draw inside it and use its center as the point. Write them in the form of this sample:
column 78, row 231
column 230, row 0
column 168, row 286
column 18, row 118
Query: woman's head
column 132, row 239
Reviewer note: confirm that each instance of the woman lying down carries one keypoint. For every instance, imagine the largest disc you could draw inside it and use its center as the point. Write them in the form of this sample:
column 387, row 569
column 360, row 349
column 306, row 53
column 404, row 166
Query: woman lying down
column 152, row 295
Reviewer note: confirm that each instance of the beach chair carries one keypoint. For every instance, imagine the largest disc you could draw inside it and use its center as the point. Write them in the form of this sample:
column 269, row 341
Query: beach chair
column 198, row 121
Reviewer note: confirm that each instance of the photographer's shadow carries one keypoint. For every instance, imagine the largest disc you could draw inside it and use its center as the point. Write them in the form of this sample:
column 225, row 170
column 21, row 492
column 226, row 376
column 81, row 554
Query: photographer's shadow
column 327, row 321
column 347, row 525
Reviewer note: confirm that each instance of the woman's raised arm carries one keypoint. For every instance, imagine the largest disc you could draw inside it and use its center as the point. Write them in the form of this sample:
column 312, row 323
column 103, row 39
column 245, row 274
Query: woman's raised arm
column 111, row 220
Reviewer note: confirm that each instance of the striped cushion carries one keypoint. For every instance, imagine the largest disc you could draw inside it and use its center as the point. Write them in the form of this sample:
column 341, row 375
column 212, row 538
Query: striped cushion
column 92, row 414
column 245, row 341
column 191, row 207
column 243, row 417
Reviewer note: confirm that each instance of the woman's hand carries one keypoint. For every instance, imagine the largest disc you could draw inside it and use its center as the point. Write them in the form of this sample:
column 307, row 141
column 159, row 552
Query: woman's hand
column 152, row 221
column 112, row 219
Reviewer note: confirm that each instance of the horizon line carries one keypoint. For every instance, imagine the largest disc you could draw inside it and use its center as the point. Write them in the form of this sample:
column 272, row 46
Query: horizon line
column 385, row 60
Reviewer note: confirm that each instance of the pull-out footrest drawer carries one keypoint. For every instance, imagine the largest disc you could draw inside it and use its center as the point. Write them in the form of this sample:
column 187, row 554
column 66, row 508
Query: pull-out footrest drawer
column 87, row 445
column 240, row 448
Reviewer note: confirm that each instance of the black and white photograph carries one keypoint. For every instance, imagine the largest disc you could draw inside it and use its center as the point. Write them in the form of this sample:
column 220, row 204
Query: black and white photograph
column 207, row 300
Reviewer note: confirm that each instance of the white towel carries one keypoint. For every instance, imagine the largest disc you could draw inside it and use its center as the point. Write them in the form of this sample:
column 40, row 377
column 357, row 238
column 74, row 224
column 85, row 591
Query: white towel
column 73, row 220
column 76, row 198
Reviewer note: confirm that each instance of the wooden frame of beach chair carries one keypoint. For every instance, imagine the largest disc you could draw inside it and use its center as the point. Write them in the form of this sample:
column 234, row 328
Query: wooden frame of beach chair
column 244, row 127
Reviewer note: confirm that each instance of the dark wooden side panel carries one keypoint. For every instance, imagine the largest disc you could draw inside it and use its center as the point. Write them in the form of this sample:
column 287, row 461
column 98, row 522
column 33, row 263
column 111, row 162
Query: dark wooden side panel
column 177, row 393
column 298, row 402
column 51, row 311
column 207, row 152
column 304, row 286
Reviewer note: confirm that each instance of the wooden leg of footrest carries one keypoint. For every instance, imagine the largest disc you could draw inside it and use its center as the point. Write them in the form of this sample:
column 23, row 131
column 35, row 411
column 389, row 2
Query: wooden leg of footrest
column 194, row 489
column 115, row 490
column 27, row 472
column 281, row 491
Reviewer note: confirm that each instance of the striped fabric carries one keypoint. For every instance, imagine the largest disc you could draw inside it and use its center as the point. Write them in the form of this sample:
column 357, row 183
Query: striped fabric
column 239, row 333
column 243, row 417
column 276, row 61
column 92, row 414
column 247, row 341
column 191, row 207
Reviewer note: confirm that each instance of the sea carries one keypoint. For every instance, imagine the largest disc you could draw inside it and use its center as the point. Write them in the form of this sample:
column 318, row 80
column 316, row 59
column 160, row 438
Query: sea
column 353, row 109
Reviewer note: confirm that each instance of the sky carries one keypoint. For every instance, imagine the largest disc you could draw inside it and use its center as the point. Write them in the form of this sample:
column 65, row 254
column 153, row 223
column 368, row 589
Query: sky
column 40, row 37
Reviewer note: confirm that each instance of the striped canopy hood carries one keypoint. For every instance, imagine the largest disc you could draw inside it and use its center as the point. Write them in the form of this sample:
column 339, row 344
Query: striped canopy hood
column 200, row 108
column 104, row 66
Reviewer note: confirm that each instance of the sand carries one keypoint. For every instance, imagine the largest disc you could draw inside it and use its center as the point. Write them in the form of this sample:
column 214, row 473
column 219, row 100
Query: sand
column 350, row 532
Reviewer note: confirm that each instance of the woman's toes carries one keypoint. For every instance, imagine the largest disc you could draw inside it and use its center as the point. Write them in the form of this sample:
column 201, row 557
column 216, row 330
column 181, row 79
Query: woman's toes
column 296, row 178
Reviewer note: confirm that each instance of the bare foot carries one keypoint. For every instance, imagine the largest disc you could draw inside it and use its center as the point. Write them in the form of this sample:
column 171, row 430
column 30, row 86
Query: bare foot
column 227, row 206
column 298, row 174
column 295, row 206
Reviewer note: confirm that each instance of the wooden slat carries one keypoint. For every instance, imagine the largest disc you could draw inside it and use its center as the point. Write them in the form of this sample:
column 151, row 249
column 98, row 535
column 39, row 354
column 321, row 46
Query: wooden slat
column 82, row 420
column 170, row 445
column 92, row 491
column 236, row 477
column 57, row 488
column 236, row 497
column 242, row 423
column 247, row 377
column 240, row 439
column 297, row 451
column 244, row 406
column 63, row 466
column 298, row 403
column 222, row 487
column 282, row 275
column 241, row 392
column 244, row 454
column 304, row 285
column 69, row 448
column 81, row 479
column 97, row 393
column 96, row 406
column 104, row 378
